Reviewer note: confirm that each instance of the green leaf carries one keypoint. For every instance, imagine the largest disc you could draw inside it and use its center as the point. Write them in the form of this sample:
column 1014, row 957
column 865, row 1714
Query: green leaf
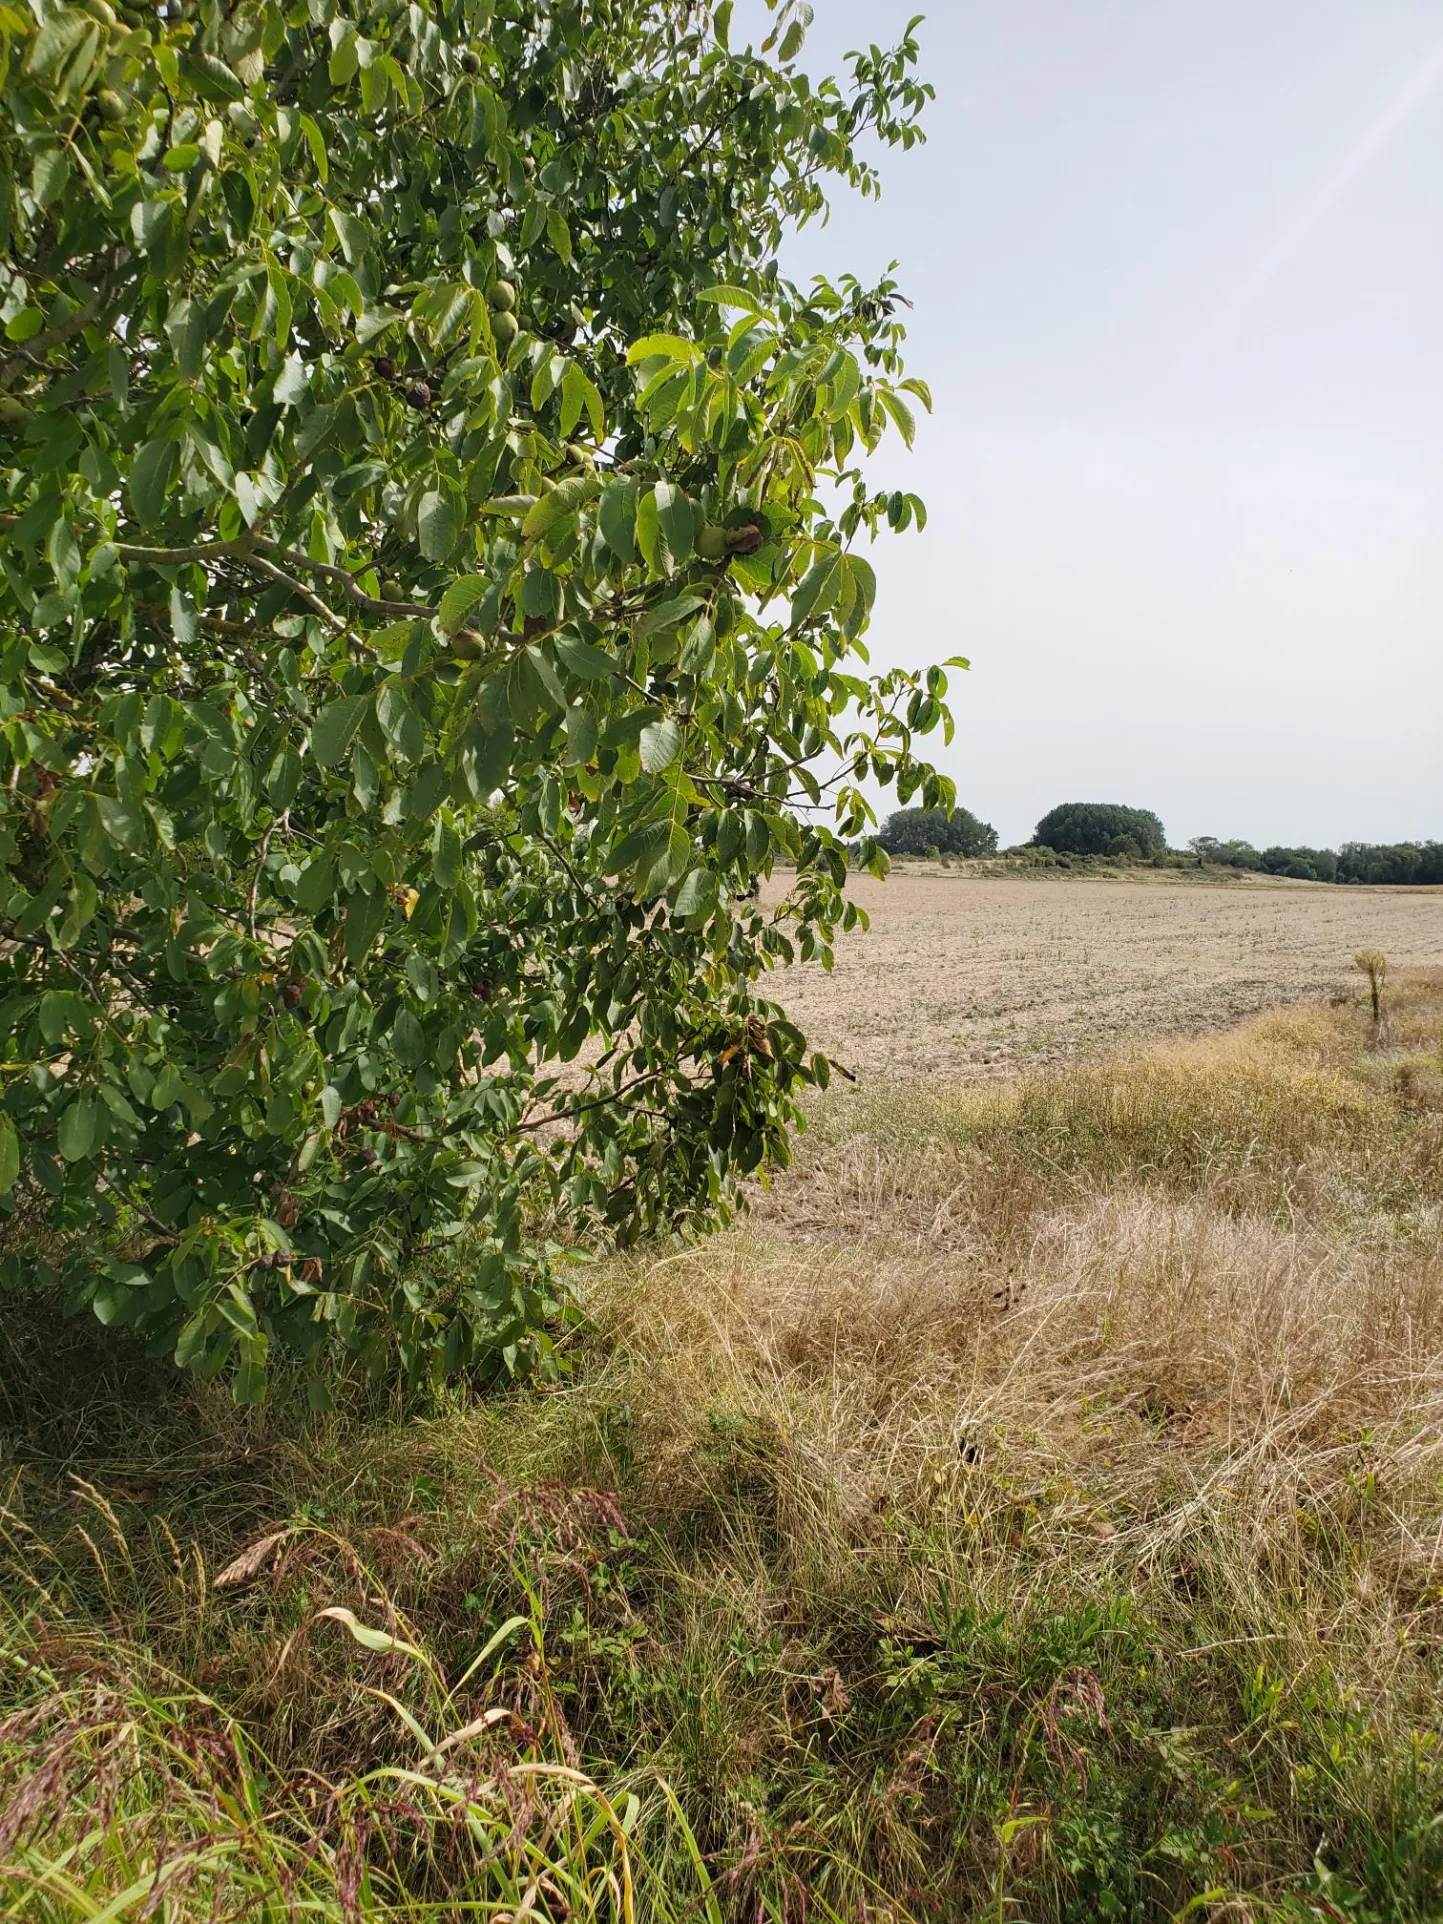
column 648, row 535
column 818, row 591
column 674, row 346
column 9, row 1156
column 863, row 580
column 315, row 140
column 378, row 1640
column 458, row 601
column 184, row 620
column 278, row 282
column 25, row 325
column 731, row 836
column 894, row 405
column 408, row 1040
column 351, row 236
column 579, row 393
column 640, row 846
column 668, row 614
column 317, row 886
column 151, row 474
column 446, row 854
column 334, row 728
column 558, row 233
column 579, row 657
column 283, row 777
column 617, row 515
column 62, row 551
column 661, row 743
column 566, row 498
column 669, row 865
column 291, row 383
column 213, row 79
column 729, row 295
column 76, row 1135
column 581, row 735
column 698, row 895
column 400, row 723
column 675, row 519
column 151, row 223
column 50, row 175
column 438, row 522
column 487, row 760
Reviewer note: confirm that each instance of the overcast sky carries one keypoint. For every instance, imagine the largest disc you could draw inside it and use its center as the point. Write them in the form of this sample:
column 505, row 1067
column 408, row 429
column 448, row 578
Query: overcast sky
column 1179, row 295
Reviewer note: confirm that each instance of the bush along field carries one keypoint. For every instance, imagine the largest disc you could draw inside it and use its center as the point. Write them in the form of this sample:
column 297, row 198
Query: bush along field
column 1032, row 1511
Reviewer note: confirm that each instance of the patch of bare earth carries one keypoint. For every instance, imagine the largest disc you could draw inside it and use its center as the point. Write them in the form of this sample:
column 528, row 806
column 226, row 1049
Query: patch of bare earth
column 971, row 977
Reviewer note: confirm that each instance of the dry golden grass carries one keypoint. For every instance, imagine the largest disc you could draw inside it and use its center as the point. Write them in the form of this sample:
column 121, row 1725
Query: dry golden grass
column 1167, row 1327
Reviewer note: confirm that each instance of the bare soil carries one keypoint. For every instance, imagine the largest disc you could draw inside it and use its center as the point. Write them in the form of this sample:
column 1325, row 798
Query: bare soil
column 980, row 977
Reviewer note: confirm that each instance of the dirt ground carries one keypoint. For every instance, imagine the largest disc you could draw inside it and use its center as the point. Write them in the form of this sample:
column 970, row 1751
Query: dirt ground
column 980, row 977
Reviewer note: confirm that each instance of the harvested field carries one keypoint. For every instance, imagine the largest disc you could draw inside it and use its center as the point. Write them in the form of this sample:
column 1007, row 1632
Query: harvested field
column 979, row 977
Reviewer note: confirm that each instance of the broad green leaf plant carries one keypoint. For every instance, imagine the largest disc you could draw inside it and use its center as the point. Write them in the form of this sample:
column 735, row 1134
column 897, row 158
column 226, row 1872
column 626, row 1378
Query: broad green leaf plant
column 433, row 595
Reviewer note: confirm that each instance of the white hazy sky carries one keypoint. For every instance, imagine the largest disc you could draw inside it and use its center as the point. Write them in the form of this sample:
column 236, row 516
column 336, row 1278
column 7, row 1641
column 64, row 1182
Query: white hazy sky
column 1179, row 295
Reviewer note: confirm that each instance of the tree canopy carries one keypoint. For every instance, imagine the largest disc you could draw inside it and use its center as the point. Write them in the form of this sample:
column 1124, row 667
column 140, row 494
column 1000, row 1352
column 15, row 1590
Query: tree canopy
column 422, row 621
column 1092, row 828
column 956, row 831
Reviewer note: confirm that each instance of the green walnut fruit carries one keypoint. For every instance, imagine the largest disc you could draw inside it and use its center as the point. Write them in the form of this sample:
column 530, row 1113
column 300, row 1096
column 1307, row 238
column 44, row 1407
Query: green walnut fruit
column 392, row 591
column 111, row 105
column 15, row 417
column 505, row 327
column 501, row 296
column 711, row 542
column 470, row 62
column 467, row 647
column 578, row 456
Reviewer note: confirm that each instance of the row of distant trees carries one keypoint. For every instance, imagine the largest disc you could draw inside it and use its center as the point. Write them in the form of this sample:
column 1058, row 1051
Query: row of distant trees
column 1377, row 862
column 1137, row 834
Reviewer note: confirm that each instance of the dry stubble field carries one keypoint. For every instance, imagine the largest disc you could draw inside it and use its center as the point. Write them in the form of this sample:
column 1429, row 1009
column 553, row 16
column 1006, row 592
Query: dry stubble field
column 966, row 976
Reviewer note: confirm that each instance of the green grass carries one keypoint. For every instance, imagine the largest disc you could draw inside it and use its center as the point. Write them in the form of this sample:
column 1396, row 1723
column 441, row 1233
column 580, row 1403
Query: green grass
column 1032, row 1513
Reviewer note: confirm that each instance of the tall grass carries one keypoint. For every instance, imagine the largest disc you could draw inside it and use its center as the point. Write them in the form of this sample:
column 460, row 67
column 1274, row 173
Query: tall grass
column 1035, row 1511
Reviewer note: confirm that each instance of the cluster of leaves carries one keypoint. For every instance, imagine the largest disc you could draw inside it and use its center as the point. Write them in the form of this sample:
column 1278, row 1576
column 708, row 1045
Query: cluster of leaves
column 917, row 831
column 430, row 605
column 1100, row 828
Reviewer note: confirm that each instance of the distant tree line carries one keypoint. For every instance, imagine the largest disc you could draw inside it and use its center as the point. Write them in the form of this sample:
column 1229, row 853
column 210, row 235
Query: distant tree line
column 1110, row 831
column 1378, row 863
